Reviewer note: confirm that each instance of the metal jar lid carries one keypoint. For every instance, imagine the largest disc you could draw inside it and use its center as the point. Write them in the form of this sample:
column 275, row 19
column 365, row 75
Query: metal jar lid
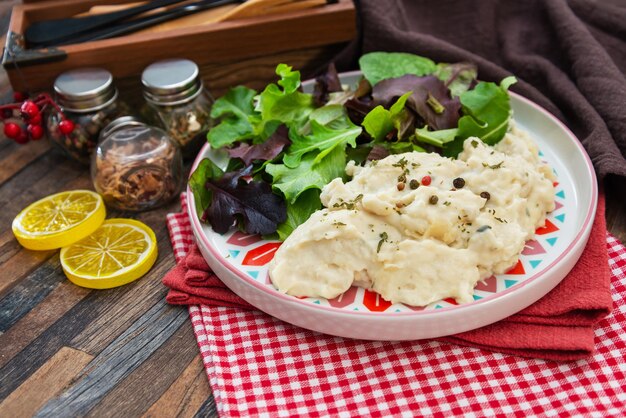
column 85, row 89
column 120, row 123
column 171, row 82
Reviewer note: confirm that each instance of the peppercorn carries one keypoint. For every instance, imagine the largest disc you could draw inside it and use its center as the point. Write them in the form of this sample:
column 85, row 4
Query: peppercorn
column 414, row 184
column 485, row 195
column 426, row 180
column 400, row 186
column 458, row 182
column 433, row 200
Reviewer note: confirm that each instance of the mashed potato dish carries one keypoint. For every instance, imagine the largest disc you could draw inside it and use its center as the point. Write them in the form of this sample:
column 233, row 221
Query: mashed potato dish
column 419, row 227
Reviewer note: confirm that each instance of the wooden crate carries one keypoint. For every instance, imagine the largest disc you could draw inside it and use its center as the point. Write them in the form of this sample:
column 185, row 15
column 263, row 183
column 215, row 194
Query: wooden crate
column 244, row 51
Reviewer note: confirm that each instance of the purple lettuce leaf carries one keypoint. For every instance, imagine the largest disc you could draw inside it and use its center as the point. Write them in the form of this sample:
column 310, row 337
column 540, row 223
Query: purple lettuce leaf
column 431, row 99
column 265, row 151
column 325, row 84
column 378, row 152
column 251, row 205
column 358, row 108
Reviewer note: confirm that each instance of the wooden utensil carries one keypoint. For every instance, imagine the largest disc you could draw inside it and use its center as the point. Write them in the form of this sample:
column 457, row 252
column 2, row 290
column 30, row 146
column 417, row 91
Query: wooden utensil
column 250, row 9
column 48, row 32
column 126, row 27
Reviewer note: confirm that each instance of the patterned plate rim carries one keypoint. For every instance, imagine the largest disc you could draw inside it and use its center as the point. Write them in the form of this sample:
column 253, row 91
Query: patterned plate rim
column 483, row 302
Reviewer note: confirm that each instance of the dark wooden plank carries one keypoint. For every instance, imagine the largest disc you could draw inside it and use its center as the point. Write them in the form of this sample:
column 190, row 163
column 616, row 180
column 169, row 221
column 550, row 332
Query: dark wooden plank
column 132, row 397
column 185, row 396
column 20, row 156
column 58, row 335
column 208, row 409
column 48, row 311
column 17, row 262
column 117, row 361
column 45, row 383
column 29, row 292
column 121, row 307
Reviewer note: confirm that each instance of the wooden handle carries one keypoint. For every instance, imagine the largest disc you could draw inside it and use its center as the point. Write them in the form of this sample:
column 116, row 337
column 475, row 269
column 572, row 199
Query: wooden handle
column 251, row 8
column 107, row 8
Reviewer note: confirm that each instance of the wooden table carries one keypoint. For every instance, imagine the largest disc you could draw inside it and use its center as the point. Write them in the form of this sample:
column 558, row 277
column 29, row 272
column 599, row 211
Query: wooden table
column 68, row 351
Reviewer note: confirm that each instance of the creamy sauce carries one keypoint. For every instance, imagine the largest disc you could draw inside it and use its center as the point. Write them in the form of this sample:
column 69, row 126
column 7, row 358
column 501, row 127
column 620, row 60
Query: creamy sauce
column 417, row 245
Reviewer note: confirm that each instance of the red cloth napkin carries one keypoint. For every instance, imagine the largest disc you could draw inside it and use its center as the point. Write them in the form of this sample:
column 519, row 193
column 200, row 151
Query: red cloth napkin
column 557, row 327
column 191, row 282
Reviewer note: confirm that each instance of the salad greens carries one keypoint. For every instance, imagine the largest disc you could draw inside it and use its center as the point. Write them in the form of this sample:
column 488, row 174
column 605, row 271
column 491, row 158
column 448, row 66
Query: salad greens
column 286, row 145
column 378, row 66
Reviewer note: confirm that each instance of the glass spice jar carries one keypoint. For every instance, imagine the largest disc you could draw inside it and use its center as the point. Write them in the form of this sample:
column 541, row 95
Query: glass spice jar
column 136, row 167
column 88, row 98
column 178, row 102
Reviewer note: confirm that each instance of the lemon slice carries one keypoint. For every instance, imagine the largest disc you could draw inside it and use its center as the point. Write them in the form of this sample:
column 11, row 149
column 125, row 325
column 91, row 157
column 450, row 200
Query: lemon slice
column 59, row 220
column 119, row 252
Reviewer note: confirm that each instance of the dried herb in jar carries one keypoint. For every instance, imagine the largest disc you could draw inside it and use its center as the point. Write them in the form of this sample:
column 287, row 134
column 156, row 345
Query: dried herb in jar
column 178, row 102
column 137, row 168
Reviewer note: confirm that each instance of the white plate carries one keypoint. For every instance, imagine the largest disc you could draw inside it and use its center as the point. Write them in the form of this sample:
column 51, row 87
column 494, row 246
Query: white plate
column 241, row 260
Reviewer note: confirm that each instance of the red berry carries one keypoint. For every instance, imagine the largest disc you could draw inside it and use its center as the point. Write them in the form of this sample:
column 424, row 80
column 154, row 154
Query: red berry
column 35, row 132
column 22, row 138
column 426, row 180
column 29, row 109
column 66, row 126
column 35, row 120
column 19, row 96
column 12, row 130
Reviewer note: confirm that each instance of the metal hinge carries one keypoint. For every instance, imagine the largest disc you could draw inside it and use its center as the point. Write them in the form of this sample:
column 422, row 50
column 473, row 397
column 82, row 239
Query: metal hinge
column 16, row 55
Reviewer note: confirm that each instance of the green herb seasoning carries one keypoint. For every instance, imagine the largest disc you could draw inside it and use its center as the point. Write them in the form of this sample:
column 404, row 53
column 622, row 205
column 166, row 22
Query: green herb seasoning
column 383, row 238
column 494, row 166
column 350, row 205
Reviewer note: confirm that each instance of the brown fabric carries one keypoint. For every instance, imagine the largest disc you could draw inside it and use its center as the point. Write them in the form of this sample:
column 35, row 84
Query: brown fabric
column 569, row 56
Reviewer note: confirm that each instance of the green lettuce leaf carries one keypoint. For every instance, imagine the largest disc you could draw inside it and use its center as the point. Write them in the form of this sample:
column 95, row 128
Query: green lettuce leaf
column 310, row 174
column 457, row 77
column 206, row 171
column 322, row 139
column 402, row 147
column 380, row 121
column 236, row 102
column 333, row 116
column 436, row 138
column 487, row 111
column 299, row 211
column 377, row 66
column 234, row 110
column 283, row 102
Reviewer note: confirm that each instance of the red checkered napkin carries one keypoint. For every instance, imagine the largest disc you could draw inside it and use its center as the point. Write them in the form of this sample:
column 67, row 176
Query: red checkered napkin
column 258, row 365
